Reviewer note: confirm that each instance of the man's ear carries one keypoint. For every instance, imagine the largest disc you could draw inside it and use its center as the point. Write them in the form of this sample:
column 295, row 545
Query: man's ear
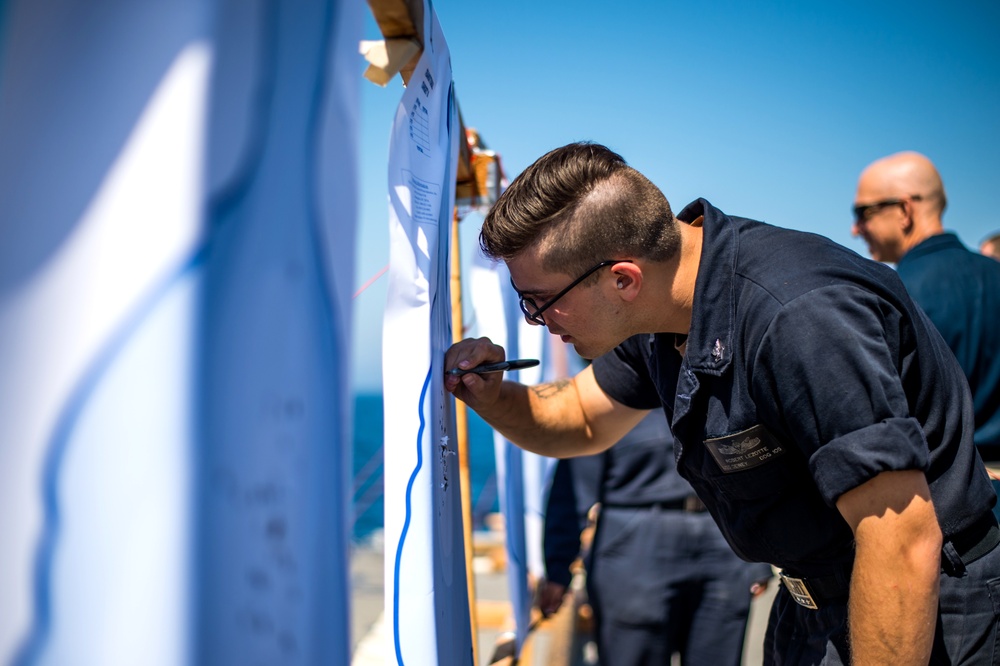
column 628, row 279
column 908, row 222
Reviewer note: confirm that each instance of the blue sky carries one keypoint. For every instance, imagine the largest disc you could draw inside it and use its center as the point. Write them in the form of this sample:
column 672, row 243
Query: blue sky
column 769, row 109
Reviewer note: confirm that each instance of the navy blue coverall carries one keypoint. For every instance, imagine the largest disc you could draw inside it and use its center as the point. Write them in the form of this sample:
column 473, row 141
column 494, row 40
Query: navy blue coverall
column 808, row 371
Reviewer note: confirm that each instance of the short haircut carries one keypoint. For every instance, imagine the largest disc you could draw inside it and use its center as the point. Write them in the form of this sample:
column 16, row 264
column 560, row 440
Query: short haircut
column 583, row 204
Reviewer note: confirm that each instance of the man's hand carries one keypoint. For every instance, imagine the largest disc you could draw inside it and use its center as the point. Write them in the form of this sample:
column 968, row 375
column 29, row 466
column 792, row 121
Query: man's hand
column 896, row 577
column 477, row 391
column 550, row 597
column 559, row 419
column 759, row 587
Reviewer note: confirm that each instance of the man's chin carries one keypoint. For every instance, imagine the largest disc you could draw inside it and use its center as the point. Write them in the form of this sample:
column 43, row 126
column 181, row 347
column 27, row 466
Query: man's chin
column 878, row 254
column 590, row 349
column 587, row 352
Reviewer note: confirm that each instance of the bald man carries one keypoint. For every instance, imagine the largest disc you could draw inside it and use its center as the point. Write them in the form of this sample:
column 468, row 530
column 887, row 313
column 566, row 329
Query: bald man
column 897, row 211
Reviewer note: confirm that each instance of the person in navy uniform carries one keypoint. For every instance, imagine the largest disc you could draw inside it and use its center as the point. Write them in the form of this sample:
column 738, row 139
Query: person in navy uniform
column 815, row 408
column 661, row 578
column 898, row 210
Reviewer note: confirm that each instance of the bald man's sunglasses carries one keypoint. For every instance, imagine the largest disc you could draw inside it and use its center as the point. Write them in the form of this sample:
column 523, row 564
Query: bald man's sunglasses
column 868, row 211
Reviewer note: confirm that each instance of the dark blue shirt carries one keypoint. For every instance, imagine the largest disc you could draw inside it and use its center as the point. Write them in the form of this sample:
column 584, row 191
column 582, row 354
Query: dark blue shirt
column 808, row 371
column 960, row 292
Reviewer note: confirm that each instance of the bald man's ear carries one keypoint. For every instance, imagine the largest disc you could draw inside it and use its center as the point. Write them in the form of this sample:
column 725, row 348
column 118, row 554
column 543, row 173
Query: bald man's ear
column 907, row 222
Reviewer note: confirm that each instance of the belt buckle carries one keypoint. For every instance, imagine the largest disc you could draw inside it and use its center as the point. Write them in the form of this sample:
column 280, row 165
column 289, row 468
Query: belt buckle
column 797, row 588
column 693, row 504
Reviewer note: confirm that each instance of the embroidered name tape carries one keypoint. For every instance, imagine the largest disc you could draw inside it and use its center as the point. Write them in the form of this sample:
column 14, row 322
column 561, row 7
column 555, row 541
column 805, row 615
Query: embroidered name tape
column 744, row 450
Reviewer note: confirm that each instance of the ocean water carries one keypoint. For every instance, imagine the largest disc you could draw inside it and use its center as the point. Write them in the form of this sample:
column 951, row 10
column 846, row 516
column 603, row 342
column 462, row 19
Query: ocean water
column 368, row 467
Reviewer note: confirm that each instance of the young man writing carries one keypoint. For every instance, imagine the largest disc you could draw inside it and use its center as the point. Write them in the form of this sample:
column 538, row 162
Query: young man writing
column 816, row 411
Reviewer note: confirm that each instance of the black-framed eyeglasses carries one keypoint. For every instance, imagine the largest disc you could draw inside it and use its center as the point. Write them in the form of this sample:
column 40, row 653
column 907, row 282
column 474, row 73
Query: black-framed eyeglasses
column 534, row 312
column 868, row 211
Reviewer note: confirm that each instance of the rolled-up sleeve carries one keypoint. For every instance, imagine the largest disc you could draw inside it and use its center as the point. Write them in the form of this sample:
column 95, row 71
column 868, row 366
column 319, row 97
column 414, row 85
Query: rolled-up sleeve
column 826, row 373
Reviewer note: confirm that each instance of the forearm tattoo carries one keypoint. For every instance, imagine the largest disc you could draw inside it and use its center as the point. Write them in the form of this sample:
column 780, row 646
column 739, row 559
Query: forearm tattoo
column 552, row 389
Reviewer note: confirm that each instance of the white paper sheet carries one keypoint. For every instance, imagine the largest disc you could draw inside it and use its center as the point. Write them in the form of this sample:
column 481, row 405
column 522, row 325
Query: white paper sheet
column 425, row 584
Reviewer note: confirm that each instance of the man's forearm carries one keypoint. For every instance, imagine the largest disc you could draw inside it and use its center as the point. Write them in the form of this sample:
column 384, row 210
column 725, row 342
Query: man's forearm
column 565, row 418
column 897, row 568
column 893, row 610
column 546, row 419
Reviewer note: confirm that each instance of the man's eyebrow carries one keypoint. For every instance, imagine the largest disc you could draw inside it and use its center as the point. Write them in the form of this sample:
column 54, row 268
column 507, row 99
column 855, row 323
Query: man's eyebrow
column 537, row 295
column 533, row 293
column 522, row 292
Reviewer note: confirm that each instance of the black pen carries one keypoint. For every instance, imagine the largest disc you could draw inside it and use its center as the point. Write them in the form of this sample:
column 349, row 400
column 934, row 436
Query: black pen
column 517, row 364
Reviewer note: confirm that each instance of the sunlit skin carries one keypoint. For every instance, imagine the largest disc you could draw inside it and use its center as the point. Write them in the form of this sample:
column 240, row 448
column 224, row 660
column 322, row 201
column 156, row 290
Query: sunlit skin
column 991, row 248
column 896, row 568
column 893, row 230
column 589, row 315
column 627, row 297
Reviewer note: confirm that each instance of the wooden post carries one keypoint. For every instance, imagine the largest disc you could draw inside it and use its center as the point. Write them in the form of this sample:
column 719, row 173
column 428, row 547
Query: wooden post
column 462, row 433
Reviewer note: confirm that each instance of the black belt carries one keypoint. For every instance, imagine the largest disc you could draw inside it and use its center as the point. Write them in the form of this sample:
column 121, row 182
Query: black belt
column 976, row 540
column 971, row 543
column 690, row 504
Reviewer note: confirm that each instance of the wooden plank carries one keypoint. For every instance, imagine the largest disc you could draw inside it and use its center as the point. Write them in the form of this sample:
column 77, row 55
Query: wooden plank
column 403, row 22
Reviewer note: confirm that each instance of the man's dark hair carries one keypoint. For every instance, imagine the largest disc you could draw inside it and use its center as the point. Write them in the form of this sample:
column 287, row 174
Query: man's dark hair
column 583, row 204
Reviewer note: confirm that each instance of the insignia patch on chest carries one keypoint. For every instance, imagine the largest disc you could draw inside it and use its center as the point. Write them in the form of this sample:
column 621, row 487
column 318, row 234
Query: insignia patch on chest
column 744, row 450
